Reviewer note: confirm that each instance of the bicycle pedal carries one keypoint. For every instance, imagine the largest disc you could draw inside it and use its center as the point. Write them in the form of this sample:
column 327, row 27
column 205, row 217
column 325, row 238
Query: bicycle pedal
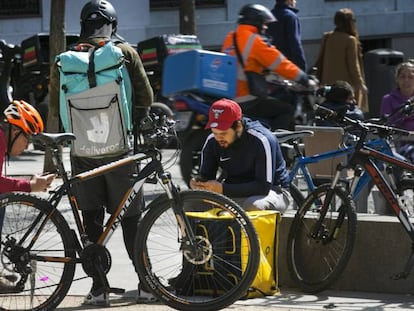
column 117, row 291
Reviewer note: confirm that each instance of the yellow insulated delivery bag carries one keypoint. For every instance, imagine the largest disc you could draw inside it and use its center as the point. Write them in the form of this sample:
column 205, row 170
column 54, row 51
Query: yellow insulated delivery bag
column 266, row 224
column 228, row 244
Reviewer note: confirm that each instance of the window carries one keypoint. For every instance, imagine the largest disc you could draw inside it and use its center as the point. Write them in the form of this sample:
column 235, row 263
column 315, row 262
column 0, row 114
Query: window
column 169, row 4
column 19, row 8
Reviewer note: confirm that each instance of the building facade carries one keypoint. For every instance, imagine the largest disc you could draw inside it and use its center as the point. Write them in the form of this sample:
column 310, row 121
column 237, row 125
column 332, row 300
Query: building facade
column 381, row 23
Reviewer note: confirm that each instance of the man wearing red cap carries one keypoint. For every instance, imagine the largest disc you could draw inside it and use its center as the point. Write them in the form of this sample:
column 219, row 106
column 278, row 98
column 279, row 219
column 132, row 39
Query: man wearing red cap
column 249, row 155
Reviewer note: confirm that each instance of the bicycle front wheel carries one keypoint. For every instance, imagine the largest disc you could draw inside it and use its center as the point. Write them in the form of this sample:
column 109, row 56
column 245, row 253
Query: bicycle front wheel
column 37, row 257
column 213, row 274
column 320, row 244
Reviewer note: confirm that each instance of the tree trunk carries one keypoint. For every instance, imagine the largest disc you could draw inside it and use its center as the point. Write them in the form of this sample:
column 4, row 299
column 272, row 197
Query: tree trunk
column 187, row 17
column 57, row 44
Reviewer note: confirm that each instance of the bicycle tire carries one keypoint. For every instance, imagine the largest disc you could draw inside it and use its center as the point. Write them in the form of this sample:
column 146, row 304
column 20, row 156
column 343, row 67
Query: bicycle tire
column 406, row 196
column 159, row 257
column 48, row 280
column 316, row 261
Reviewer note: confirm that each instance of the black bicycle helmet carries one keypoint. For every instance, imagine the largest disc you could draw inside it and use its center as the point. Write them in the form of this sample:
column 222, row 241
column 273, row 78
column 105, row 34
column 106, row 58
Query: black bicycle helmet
column 255, row 15
column 96, row 9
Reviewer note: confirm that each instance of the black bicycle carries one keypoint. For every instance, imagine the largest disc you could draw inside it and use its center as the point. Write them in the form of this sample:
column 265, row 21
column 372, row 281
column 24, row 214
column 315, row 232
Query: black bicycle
column 40, row 250
column 323, row 232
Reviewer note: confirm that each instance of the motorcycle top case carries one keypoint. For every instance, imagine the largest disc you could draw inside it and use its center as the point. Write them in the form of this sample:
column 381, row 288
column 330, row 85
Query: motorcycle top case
column 154, row 51
column 200, row 71
column 35, row 50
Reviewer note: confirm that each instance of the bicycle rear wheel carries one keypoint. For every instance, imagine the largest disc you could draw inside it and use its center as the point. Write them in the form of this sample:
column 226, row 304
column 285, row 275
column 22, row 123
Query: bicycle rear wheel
column 319, row 247
column 37, row 265
column 214, row 274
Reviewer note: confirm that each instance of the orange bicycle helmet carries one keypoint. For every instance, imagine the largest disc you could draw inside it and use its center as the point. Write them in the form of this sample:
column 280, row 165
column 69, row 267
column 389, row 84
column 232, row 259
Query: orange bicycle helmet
column 24, row 116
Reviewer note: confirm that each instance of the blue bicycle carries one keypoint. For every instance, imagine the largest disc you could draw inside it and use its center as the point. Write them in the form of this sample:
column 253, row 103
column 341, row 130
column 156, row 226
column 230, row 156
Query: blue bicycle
column 299, row 168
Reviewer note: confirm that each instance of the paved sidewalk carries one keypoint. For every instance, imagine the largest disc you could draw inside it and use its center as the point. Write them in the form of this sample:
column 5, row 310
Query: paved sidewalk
column 122, row 274
column 288, row 300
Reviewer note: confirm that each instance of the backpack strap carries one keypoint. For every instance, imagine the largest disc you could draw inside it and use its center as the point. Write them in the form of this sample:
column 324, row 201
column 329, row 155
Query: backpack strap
column 91, row 70
column 84, row 47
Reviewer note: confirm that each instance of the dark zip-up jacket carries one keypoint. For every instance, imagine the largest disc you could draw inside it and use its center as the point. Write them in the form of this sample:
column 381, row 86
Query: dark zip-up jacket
column 286, row 34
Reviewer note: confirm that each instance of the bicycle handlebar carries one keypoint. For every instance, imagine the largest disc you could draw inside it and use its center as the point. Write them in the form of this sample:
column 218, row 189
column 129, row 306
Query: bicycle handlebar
column 156, row 131
column 375, row 126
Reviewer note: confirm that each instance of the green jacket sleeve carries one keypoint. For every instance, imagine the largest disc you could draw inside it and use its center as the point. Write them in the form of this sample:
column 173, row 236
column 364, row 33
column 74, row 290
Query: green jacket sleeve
column 142, row 92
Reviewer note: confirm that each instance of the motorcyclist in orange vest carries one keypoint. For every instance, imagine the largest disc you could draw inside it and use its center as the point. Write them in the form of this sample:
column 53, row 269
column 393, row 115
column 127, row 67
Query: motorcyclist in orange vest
column 259, row 55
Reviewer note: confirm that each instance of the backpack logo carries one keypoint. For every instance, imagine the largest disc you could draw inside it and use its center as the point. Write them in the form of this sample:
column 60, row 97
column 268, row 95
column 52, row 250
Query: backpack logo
column 100, row 131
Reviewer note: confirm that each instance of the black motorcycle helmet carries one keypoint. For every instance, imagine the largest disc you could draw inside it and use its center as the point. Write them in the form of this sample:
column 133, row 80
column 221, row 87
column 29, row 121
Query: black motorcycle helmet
column 256, row 15
column 98, row 9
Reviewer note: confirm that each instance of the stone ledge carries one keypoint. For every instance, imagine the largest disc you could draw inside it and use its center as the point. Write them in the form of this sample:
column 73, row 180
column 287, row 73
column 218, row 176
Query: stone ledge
column 381, row 250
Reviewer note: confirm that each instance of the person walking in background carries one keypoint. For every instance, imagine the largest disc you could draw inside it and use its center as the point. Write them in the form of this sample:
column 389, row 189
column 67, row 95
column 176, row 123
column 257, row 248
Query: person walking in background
column 340, row 57
column 255, row 55
column 404, row 77
column 285, row 32
column 21, row 122
column 99, row 21
column 250, row 157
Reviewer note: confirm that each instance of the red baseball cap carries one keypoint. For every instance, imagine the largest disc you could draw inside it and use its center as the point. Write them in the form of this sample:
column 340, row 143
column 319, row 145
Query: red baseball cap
column 223, row 113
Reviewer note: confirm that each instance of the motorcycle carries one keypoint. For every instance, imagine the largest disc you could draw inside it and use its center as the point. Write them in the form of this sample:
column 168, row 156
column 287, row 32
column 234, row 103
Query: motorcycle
column 191, row 114
column 25, row 71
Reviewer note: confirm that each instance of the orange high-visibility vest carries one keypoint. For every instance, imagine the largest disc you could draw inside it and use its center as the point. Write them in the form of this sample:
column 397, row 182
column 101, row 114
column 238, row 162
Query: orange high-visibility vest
column 258, row 55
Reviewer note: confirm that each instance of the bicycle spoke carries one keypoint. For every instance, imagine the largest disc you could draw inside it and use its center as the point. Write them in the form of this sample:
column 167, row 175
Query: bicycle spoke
column 319, row 245
column 209, row 275
column 35, row 253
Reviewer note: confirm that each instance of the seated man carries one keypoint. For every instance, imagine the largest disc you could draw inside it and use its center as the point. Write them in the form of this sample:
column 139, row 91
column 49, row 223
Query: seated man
column 253, row 169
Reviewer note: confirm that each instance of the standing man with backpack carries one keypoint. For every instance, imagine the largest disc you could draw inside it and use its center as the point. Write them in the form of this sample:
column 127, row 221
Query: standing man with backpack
column 100, row 130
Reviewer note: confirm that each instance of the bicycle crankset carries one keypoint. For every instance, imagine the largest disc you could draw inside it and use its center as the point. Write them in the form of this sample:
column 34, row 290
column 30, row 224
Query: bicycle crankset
column 94, row 256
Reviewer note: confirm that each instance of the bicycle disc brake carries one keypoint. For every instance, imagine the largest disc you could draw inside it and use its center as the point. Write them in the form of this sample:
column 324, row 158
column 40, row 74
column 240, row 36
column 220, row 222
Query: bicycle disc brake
column 200, row 253
column 93, row 254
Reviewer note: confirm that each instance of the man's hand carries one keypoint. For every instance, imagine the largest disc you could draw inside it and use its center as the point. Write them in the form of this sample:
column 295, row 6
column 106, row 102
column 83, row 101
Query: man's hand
column 41, row 182
column 210, row 185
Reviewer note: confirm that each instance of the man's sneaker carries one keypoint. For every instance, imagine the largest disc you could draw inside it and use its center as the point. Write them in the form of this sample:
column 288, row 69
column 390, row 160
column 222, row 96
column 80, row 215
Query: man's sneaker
column 6, row 286
column 9, row 277
column 144, row 296
column 98, row 300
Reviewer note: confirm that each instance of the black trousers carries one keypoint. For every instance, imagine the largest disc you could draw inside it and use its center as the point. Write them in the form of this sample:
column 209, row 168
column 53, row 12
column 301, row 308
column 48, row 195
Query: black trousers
column 275, row 113
column 103, row 194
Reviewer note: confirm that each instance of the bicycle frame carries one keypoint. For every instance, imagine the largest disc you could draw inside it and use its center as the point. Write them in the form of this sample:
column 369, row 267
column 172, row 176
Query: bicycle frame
column 301, row 162
column 366, row 157
column 115, row 219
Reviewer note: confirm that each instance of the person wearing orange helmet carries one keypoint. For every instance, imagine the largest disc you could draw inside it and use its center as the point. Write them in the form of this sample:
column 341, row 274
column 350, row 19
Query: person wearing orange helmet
column 20, row 122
